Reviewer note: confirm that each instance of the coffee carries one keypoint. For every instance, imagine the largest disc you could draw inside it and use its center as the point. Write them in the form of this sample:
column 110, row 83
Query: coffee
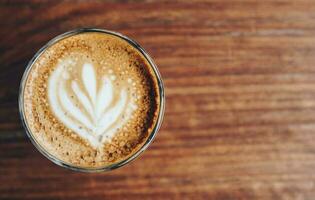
column 91, row 99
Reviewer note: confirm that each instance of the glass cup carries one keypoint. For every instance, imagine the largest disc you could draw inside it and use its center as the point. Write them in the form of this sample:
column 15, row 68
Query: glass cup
column 130, row 157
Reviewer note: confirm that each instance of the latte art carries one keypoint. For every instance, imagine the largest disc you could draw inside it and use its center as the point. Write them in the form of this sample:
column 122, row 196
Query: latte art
column 89, row 111
column 91, row 100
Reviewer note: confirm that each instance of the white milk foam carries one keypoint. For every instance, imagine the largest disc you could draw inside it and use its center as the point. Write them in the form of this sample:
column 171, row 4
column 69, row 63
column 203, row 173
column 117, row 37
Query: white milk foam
column 97, row 116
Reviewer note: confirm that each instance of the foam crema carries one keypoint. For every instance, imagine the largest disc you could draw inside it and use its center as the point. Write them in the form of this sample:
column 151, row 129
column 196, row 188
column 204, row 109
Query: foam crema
column 91, row 99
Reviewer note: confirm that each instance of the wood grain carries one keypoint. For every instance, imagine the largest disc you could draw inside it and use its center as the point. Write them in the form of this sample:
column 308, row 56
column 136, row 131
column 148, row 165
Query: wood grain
column 240, row 93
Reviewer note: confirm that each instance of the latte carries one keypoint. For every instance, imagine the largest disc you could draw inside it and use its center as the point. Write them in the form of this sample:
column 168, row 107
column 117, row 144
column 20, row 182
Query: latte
column 91, row 100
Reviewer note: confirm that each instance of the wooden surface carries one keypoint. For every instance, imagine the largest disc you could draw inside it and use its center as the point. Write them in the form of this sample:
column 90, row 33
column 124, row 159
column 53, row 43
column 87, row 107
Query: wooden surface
column 240, row 93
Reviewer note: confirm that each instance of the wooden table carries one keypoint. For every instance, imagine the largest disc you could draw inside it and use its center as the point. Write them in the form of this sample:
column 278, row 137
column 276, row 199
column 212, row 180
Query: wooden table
column 240, row 92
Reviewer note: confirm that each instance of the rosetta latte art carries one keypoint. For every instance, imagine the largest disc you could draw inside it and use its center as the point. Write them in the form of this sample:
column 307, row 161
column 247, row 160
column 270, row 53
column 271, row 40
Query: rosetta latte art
column 93, row 109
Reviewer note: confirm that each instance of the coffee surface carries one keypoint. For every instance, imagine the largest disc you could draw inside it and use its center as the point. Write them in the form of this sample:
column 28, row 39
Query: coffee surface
column 91, row 99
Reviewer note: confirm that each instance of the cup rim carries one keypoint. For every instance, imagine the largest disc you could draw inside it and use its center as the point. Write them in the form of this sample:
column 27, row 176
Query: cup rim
column 110, row 167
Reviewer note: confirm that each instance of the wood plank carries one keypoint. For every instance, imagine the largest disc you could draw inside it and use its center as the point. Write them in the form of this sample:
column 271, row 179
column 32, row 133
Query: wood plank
column 240, row 91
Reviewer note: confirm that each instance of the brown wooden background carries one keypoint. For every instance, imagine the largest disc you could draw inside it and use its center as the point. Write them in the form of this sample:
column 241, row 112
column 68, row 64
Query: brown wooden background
column 240, row 87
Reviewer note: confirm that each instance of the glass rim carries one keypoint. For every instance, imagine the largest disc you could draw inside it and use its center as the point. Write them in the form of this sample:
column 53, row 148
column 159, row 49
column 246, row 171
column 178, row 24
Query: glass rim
column 110, row 167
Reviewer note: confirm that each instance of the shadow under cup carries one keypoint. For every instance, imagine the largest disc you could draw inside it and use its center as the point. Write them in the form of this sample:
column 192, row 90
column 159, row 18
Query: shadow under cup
column 134, row 154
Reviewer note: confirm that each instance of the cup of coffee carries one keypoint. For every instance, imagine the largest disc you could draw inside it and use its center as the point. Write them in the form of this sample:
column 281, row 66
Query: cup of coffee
column 91, row 100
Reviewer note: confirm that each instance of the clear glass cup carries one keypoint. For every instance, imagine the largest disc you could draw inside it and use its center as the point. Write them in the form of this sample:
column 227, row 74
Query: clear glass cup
column 112, row 166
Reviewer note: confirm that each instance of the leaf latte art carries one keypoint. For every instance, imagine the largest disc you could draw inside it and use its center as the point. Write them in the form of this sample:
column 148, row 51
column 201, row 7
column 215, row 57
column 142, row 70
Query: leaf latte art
column 89, row 104
column 91, row 100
